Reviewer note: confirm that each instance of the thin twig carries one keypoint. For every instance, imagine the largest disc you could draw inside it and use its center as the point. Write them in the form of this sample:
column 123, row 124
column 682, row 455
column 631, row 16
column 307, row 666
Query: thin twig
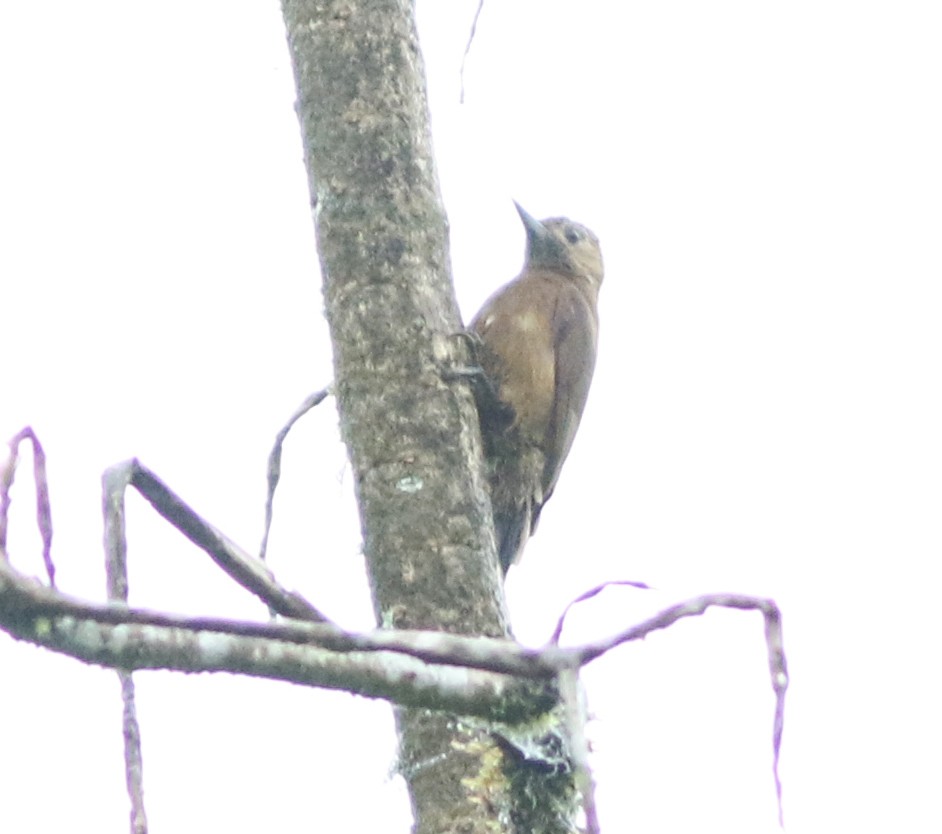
column 558, row 631
column 43, row 507
column 274, row 461
column 467, row 49
column 7, row 473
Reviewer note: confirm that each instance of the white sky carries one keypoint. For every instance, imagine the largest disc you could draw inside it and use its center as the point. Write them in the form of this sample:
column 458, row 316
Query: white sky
column 765, row 418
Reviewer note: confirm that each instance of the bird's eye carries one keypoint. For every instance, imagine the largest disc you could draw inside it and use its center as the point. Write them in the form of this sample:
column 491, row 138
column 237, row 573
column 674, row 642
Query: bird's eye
column 573, row 236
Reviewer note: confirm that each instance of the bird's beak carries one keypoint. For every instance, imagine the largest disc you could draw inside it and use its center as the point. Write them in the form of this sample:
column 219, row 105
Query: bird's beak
column 543, row 247
column 535, row 229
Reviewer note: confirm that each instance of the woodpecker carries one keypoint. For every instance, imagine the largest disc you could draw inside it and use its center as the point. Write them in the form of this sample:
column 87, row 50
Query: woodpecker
column 538, row 337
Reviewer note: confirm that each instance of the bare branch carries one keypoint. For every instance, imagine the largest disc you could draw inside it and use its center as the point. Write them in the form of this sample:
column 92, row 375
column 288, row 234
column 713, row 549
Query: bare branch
column 114, row 483
column 427, row 669
column 22, row 597
column 698, row 605
column 483, row 653
column 34, row 613
column 689, row 608
column 576, row 716
column 412, row 668
column 246, row 569
column 779, row 672
column 133, row 760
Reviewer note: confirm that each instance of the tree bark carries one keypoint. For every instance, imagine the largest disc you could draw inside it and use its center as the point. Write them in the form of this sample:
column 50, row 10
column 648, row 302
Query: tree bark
column 411, row 433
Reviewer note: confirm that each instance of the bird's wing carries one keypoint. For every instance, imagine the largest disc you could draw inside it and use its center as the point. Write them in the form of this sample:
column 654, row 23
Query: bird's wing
column 576, row 338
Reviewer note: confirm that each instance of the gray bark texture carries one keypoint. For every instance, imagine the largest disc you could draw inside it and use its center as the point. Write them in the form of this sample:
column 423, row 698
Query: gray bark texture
column 412, row 434
column 382, row 237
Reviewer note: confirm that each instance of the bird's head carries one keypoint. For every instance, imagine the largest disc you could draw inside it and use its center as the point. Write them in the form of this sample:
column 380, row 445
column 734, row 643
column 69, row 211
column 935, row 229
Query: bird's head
column 561, row 245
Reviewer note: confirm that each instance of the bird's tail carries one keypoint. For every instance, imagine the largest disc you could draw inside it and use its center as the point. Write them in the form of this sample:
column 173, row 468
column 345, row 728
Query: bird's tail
column 512, row 529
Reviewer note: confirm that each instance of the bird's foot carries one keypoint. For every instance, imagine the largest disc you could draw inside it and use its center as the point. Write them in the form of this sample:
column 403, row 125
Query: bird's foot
column 494, row 413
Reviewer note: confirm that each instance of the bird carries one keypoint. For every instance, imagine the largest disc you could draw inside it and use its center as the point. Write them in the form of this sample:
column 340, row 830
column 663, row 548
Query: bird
column 536, row 343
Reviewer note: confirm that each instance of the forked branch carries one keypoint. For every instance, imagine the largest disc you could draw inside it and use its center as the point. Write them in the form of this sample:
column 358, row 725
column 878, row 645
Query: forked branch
column 498, row 680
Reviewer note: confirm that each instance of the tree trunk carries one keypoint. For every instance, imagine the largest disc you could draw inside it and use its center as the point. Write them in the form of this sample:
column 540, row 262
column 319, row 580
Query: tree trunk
column 411, row 432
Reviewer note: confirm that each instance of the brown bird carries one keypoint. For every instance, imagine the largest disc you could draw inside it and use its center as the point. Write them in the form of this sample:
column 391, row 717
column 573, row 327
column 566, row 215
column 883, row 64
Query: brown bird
column 538, row 338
